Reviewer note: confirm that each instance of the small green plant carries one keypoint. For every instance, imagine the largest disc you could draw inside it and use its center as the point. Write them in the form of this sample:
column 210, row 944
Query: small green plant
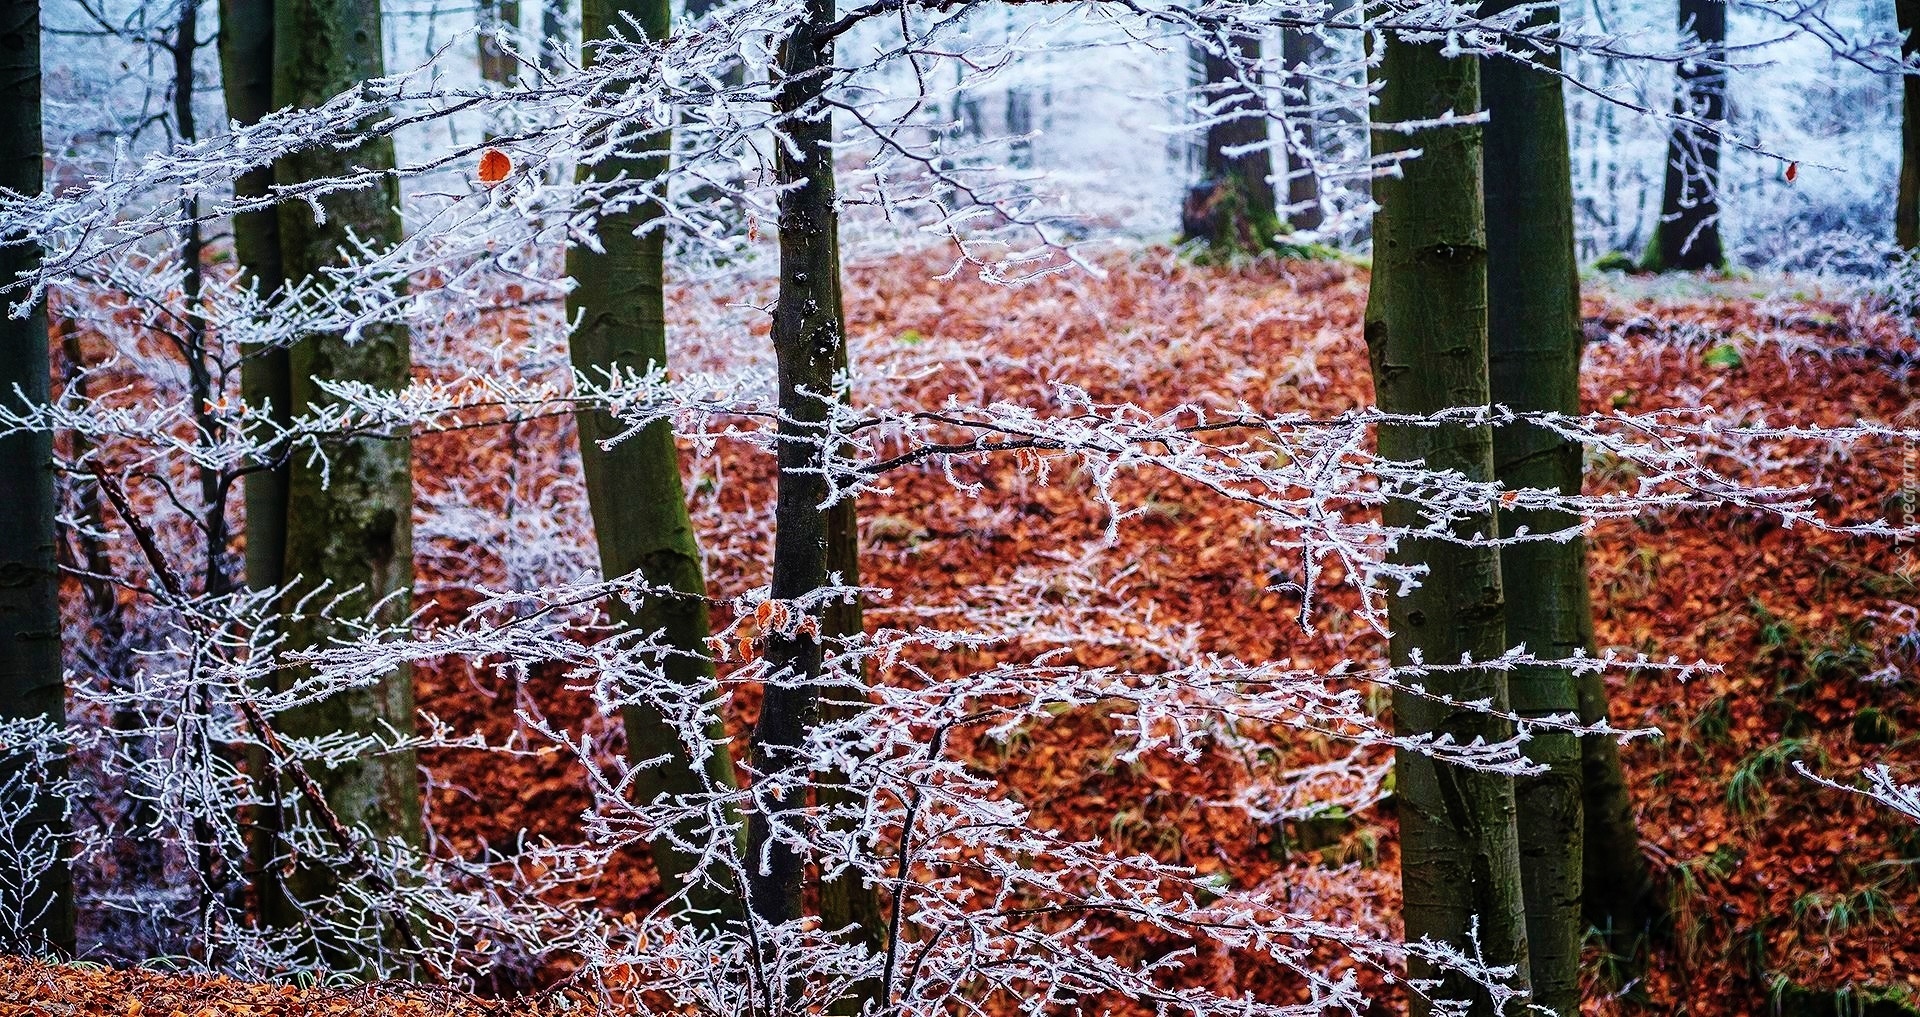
column 1725, row 355
column 1747, row 787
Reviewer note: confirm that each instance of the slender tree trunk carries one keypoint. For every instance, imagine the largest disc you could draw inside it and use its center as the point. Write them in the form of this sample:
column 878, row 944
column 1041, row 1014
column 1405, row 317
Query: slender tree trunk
column 1233, row 208
column 355, row 530
column 808, row 337
column 1533, row 336
column 1298, row 49
column 634, row 488
column 1906, row 217
column 31, row 682
column 809, row 340
column 1426, row 328
column 1688, row 234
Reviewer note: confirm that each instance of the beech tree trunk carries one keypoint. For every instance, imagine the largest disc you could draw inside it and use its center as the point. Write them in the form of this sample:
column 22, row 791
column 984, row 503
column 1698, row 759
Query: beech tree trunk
column 1906, row 218
column 809, row 340
column 246, row 71
column 31, row 681
column 1233, row 208
column 1533, row 337
column 1426, row 329
column 634, row 489
column 1687, row 237
column 356, row 530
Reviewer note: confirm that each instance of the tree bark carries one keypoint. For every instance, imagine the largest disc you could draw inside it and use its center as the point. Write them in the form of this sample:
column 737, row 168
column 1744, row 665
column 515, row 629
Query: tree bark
column 1298, row 49
column 354, row 531
column 1906, row 217
column 634, row 490
column 498, row 20
column 31, row 681
column 1533, row 336
column 809, row 340
column 1233, row 208
column 246, row 70
column 1687, row 237
column 1426, row 329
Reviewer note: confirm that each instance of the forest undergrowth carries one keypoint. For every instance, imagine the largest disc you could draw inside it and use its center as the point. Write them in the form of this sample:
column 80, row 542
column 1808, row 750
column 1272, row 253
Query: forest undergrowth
column 1772, row 880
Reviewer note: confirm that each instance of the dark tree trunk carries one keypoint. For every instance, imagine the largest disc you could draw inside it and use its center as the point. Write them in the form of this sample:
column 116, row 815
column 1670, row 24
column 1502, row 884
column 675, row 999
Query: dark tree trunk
column 246, row 71
column 499, row 19
column 266, row 381
column 1233, row 207
column 809, row 339
column 31, row 682
column 1533, row 336
column 356, row 531
column 1426, row 329
column 1687, row 237
column 634, row 488
column 1906, row 217
column 1299, row 49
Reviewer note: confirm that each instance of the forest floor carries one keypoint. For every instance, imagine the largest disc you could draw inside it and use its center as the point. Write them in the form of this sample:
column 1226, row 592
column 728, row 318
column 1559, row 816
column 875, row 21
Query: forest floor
column 1773, row 882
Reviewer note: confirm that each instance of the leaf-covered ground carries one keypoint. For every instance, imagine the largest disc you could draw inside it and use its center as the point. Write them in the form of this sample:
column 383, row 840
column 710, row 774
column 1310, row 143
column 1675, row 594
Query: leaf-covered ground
column 1773, row 880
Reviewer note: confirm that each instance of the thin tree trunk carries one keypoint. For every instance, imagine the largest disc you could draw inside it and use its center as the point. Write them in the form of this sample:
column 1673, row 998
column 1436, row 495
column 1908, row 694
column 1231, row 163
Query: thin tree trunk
column 356, row 530
column 634, row 488
column 31, row 682
column 808, row 335
column 1906, row 217
column 1687, row 236
column 1233, row 208
column 1426, row 328
column 1298, row 49
column 809, row 339
column 1533, row 336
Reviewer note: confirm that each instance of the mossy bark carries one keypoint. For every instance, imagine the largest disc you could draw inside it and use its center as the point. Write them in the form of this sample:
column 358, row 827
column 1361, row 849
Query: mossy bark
column 31, row 680
column 1687, row 237
column 1533, row 335
column 246, row 71
column 353, row 530
column 1426, row 329
column 634, row 488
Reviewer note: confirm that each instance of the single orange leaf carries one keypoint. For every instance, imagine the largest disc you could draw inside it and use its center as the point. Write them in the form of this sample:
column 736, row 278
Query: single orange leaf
column 494, row 166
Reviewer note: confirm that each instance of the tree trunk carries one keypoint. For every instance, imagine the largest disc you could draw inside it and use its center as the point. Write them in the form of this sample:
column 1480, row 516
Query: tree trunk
column 356, row 530
column 809, row 340
column 1906, row 216
column 1298, row 49
column 1687, row 236
column 31, row 681
column 1533, row 335
column 499, row 19
column 1426, row 329
column 246, row 73
column 246, row 70
column 634, row 488
column 1233, row 208
column 808, row 337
